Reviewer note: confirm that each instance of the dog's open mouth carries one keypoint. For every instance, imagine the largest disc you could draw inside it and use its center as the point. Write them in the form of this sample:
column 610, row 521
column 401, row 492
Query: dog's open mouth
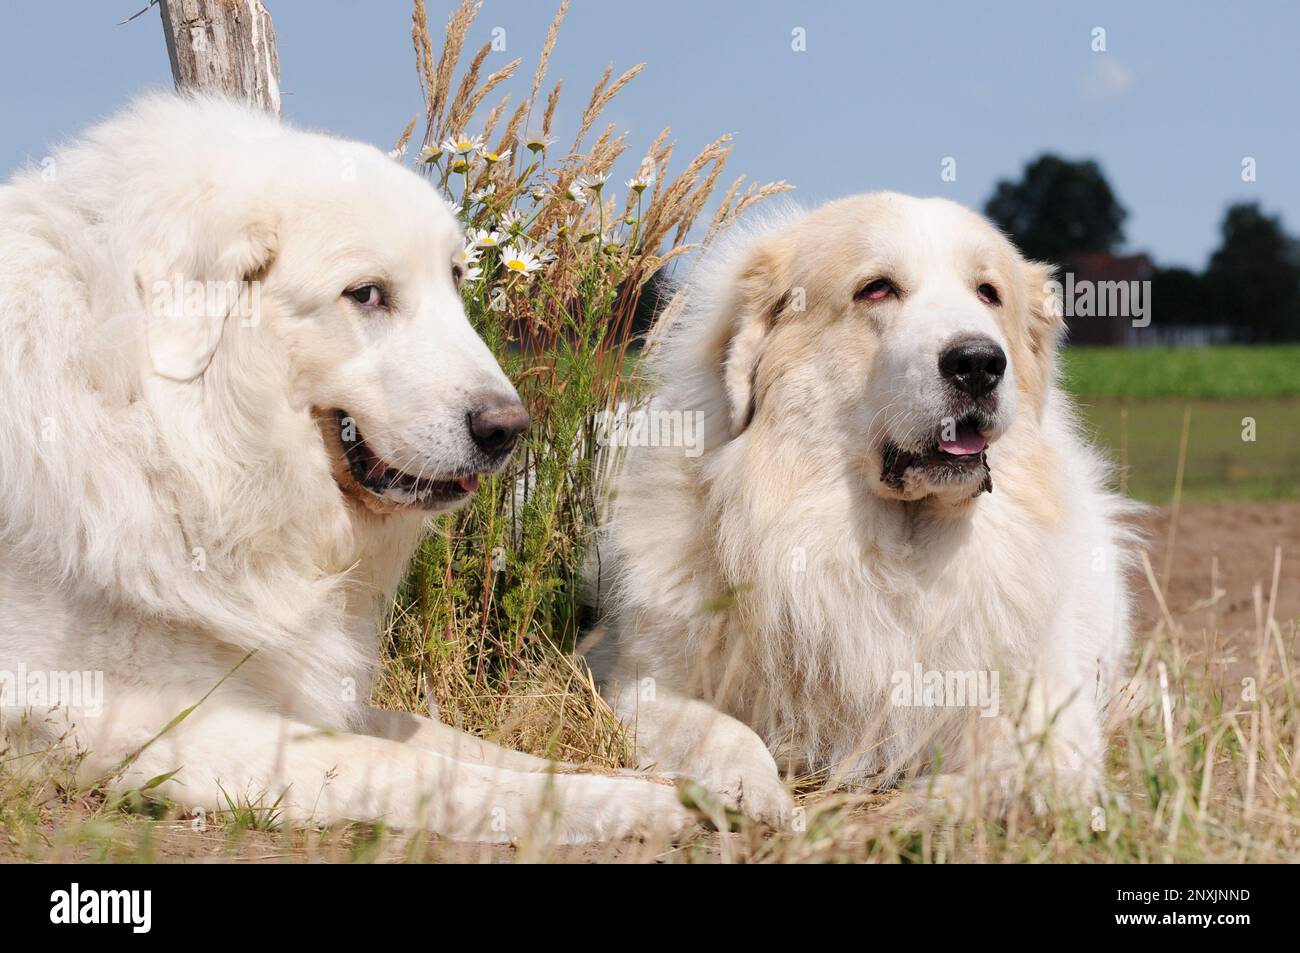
column 956, row 454
column 394, row 485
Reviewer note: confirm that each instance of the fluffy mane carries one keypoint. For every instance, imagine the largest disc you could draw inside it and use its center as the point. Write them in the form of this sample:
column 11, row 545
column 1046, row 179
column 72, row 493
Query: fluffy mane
column 760, row 576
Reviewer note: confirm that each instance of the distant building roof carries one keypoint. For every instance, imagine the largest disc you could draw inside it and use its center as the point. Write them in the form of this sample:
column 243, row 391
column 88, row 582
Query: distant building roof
column 1098, row 267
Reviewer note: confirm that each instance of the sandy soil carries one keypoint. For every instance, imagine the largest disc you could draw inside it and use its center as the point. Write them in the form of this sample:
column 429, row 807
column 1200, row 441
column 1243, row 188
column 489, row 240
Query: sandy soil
column 1235, row 543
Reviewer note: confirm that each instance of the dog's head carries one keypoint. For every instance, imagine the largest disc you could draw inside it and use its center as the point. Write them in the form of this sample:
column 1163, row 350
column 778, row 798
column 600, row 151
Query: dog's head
column 900, row 336
column 345, row 265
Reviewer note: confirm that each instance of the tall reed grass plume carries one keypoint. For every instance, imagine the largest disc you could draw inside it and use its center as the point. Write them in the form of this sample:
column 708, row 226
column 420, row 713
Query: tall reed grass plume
column 560, row 250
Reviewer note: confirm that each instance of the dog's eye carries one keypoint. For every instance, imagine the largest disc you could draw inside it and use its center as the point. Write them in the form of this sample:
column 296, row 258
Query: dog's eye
column 876, row 290
column 368, row 296
column 458, row 274
column 988, row 294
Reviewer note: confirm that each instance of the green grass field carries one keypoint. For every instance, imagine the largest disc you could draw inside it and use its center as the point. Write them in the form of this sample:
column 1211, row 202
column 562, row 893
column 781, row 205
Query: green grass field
column 1211, row 373
column 1135, row 404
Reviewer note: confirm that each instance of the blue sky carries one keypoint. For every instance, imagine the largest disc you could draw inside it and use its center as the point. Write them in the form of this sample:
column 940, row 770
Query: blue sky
column 881, row 95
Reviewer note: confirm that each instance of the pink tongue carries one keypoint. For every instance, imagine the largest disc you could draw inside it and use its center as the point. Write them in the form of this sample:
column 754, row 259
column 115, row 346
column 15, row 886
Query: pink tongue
column 968, row 440
column 468, row 483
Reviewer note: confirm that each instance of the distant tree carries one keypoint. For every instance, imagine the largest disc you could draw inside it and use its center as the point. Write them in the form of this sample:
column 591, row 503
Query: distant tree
column 1254, row 276
column 1181, row 297
column 654, row 297
column 1058, row 209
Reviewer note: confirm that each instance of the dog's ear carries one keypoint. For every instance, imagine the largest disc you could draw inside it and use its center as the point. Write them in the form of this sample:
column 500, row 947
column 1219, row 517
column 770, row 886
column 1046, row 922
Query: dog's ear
column 1046, row 323
column 760, row 297
column 1040, row 333
column 191, row 281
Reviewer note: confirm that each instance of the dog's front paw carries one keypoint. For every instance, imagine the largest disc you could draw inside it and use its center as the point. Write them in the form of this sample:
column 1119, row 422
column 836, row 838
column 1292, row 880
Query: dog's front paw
column 636, row 807
column 760, row 795
column 753, row 788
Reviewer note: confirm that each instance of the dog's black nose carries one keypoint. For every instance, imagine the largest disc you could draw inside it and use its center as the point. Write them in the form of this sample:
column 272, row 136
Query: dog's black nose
column 973, row 365
column 496, row 423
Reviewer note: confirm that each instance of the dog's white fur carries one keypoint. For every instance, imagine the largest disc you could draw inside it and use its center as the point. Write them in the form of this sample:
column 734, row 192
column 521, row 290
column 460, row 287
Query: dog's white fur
column 171, row 492
column 760, row 600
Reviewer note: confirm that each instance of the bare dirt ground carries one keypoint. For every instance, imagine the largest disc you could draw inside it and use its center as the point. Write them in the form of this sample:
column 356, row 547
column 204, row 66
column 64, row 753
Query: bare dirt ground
column 1228, row 546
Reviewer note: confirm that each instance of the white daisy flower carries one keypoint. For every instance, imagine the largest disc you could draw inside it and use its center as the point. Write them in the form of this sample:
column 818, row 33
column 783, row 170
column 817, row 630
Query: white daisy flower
column 472, row 274
column 577, row 192
column 466, row 256
column 520, row 260
column 491, row 157
column 640, row 182
column 430, row 153
column 537, row 142
column 595, row 182
column 483, row 238
column 463, row 144
column 483, row 195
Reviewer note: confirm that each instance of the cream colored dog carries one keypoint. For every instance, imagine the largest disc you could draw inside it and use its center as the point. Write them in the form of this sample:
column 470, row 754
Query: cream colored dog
column 894, row 554
column 237, row 381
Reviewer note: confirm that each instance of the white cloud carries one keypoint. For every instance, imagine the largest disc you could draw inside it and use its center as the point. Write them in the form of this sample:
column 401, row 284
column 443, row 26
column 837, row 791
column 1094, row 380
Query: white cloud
column 1107, row 79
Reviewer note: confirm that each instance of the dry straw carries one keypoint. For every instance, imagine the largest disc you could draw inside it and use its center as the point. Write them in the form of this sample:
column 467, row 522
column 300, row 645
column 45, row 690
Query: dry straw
column 485, row 624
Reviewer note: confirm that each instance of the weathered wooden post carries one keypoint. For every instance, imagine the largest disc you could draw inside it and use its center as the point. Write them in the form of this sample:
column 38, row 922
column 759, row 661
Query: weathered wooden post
column 224, row 46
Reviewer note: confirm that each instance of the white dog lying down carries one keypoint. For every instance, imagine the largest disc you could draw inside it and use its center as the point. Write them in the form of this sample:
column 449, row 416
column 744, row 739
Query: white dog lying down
column 177, row 491
column 893, row 524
